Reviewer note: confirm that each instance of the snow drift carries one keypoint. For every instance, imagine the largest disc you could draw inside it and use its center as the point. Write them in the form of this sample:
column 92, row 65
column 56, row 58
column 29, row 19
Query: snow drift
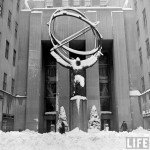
column 74, row 140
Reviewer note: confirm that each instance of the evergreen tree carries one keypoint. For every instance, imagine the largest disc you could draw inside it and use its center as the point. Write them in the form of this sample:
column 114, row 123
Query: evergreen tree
column 94, row 122
column 62, row 119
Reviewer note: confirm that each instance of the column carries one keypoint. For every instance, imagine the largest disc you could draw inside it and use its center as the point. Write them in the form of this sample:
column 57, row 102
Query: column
column 34, row 72
column 121, row 81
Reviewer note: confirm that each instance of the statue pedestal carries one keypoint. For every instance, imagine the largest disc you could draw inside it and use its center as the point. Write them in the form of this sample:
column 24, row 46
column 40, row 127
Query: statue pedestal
column 78, row 113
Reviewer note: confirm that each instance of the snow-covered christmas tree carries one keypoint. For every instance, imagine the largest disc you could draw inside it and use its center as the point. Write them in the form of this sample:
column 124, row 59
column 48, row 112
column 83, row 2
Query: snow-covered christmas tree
column 62, row 118
column 94, row 122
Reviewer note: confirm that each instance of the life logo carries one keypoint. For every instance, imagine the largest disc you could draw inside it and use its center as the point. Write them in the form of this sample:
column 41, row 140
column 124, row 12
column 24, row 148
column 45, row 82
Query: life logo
column 137, row 143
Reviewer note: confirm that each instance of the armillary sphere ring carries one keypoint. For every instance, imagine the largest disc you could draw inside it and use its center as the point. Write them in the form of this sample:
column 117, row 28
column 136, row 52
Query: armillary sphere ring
column 72, row 12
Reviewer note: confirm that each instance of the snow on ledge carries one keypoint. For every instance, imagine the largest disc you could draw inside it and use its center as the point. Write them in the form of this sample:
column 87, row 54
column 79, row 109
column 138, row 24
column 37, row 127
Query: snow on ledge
column 106, row 112
column 135, row 93
column 50, row 113
column 78, row 97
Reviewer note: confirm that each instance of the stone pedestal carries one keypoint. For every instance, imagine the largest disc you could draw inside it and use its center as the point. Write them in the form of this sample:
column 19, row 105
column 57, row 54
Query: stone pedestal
column 78, row 113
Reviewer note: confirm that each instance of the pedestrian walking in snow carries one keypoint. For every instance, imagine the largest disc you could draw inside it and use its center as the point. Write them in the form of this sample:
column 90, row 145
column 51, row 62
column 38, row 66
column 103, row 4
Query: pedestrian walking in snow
column 62, row 128
column 124, row 126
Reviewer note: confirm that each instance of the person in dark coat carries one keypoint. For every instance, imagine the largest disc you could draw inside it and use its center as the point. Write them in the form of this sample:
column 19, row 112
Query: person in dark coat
column 124, row 126
column 62, row 128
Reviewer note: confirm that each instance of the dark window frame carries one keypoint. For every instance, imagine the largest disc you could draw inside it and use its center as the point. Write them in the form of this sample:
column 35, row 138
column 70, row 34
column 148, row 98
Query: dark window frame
column 5, row 82
column 140, row 56
column 144, row 17
column 14, row 57
column 7, row 49
column 16, row 29
column 12, row 85
column 9, row 19
column 143, row 84
column 138, row 28
column 1, row 7
column 147, row 47
column 18, row 5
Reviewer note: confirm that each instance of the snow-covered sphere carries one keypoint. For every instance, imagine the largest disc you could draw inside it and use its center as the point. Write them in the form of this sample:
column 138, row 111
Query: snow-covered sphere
column 94, row 122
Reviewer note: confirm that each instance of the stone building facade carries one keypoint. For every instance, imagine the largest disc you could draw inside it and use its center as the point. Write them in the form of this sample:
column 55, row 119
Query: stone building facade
column 43, row 86
column 142, row 24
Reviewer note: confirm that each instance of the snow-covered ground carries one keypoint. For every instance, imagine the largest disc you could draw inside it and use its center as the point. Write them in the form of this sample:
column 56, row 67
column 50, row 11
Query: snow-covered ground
column 74, row 140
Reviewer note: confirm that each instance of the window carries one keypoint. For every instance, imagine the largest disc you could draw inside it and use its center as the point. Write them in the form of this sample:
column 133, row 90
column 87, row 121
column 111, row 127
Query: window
column 142, row 84
column 65, row 3
column 16, row 29
column 138, row 29
column 49, row 3
column 87, row 3
column 105, row 104
column 1, row 7
column 4, row 81
column 104, row 89
column 7, row 50
column 140, row 55
column 148, row 47
column 9, row 19
column 18, row 5
column 76, row 2
column 50, row 82
column 14, row 58
column 12, row 86
column 144, row 17
column 135, row 5
column 104, row 83
column 0, row 36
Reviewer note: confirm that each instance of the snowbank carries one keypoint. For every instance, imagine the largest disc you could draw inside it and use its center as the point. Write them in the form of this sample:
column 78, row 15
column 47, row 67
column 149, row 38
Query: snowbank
column 74, row 140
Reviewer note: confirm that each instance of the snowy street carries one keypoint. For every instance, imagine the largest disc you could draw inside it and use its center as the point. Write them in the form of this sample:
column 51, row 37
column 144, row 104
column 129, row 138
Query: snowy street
column 74, row 140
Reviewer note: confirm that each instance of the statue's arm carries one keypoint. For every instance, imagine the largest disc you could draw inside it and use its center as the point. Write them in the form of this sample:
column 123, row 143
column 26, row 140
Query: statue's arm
column 60, row 60
column 91, row 60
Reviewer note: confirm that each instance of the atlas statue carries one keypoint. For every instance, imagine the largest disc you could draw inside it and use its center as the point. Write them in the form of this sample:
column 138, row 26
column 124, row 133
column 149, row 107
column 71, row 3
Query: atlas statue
column 59, row 51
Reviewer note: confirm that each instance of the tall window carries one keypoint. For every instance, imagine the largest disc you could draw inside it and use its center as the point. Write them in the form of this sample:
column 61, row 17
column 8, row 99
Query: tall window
column 140, row 55
column 87, row 3
column 138, row 28
column 0, row 36
column 142, row 84
column 9, row 19
column 144, row 17
column 12, row 86
column 14, row 57
column 148, row 47
column 50, row 80
column 16, row 29
column 4, row 81
column 49, row 3
column 76, row 2
column 104, row 83
column 7, row 50
column 65, row 3
column 18, row 5
column 1, row 7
